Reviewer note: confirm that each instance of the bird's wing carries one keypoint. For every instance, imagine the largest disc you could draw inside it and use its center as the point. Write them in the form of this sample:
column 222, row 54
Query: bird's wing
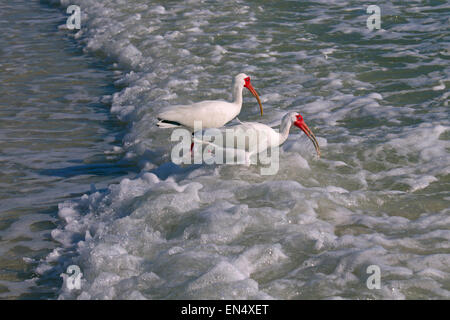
column 250, row 136
column 211, row 112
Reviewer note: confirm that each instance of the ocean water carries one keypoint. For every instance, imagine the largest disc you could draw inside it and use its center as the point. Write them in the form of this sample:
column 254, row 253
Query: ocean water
column 87, row 177
column 56, row 138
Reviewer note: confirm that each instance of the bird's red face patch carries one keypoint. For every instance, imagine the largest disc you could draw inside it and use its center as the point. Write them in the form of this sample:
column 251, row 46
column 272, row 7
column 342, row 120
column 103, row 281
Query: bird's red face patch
column 302, row 125
column 247, row 82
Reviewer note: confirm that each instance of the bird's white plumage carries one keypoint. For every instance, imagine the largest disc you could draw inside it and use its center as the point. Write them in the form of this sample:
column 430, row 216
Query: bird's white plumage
column 252, row 137
column 211, row 113
column 259, row 136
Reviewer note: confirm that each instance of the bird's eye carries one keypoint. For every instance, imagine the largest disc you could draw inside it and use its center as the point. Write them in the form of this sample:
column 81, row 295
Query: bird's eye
column 246, row 82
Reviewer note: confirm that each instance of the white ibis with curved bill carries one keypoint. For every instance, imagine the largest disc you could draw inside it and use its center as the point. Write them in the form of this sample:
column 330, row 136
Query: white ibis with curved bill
column 266, row 137
column 211, row 113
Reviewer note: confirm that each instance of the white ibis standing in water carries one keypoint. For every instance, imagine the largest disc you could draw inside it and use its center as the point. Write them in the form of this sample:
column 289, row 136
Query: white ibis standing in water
column 266, row 137
column 211, row 113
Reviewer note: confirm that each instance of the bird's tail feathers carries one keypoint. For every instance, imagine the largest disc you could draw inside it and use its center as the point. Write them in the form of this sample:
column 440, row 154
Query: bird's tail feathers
column 167, row 124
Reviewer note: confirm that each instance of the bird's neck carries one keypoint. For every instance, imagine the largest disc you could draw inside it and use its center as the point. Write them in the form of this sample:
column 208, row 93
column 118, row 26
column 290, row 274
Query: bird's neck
column 285, row 126
column 237, row 95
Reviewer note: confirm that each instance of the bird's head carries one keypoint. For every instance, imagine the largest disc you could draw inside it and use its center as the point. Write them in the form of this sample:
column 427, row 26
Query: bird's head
column 243, row 80
column 297, row 119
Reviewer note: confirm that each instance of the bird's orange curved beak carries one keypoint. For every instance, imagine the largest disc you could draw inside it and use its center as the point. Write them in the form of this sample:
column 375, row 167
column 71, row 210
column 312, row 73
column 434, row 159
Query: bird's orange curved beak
column 249, row 86
column 300, row 123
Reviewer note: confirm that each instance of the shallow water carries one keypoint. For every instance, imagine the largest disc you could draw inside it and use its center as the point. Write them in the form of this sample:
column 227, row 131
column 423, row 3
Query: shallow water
column 376, row 100
column 53, row 134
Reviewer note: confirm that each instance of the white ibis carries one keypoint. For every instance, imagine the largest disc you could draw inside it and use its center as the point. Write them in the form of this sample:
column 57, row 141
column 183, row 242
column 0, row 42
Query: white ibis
column 211, row 113
column 266, row 137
